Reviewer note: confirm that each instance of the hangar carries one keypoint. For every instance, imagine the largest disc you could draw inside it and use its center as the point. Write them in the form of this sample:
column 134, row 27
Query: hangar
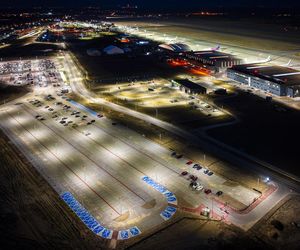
column 276, row 80
column 215, row 61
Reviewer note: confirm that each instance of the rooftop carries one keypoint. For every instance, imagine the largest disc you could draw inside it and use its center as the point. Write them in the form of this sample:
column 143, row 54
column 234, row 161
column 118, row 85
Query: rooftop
column 213, row 55
column 189, row 84
column 278, row 74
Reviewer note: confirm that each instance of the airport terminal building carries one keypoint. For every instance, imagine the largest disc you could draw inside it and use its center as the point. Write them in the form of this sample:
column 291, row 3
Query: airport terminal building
column 276, row 80
column 215, row 61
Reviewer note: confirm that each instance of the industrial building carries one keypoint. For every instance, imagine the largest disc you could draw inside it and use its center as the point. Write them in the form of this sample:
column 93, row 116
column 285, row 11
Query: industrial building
column 188, row 86
column 214, row 60
column 276, row 80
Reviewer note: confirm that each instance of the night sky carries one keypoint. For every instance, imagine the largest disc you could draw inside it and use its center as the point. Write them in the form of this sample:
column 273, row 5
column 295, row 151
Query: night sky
column 153, row 4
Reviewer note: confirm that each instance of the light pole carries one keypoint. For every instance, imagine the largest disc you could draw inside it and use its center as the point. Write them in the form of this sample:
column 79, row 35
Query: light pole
column 212, row 208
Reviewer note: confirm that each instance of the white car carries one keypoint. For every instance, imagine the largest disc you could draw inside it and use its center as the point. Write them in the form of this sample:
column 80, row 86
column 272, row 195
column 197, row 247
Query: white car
column 199, row 187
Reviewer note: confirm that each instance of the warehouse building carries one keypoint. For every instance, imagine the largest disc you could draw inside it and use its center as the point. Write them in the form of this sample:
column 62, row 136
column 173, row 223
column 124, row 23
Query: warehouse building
column 188, row 86
column 214, row 60
column 276, row 80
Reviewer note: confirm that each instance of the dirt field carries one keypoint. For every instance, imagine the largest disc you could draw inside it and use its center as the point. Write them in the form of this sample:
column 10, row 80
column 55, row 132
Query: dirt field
column 264, row 131
column 25, row 48
column 8, row 93
column 278, row 230
column 200, row 234
column 32, row 215
column 113, row 67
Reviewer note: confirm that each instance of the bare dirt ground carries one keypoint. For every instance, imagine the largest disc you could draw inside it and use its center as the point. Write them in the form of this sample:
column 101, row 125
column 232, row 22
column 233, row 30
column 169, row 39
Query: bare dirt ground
column 31, row 213
column 192, row 233
column 258, row 132
column 8, row 93
column 278, row 230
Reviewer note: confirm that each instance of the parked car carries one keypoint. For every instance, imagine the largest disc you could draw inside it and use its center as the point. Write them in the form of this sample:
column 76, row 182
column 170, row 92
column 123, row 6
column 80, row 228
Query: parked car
column 179, row 156
column 197, row 166
column 199, row 187
column 184, row 173
column 219, row 193
column 207, row 191
column 193, row 177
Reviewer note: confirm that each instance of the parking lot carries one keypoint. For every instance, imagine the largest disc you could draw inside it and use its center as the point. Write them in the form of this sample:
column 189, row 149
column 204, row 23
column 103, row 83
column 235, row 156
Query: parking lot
column 158, row 97
column 106, row 166
column 29, row 72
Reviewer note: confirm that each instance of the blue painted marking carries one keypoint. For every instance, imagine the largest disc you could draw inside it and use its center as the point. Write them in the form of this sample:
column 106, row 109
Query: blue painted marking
column 92, row 112
column 84, row 215
column 171, row 199
column 105, row 233
column 171, row 209
column 162, row 189
column 124, row 234
column 150, row 182
column 145, row 178
column 94, row 224
column 134, row 231
column 98, row 229
column 166, row 214
column 169, row 194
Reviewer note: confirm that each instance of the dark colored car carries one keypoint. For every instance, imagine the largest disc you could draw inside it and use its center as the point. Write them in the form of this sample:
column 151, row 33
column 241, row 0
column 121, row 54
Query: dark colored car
column 179, row 156
column 189, row 162
column 210, row 173
column 197, row 166
column 184, row 173
column 193, row 177
column 206, row 171
column 207, row 191
column 219, row 193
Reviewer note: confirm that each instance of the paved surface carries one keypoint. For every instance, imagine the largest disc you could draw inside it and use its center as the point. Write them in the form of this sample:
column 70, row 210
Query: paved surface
column 102, row 164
